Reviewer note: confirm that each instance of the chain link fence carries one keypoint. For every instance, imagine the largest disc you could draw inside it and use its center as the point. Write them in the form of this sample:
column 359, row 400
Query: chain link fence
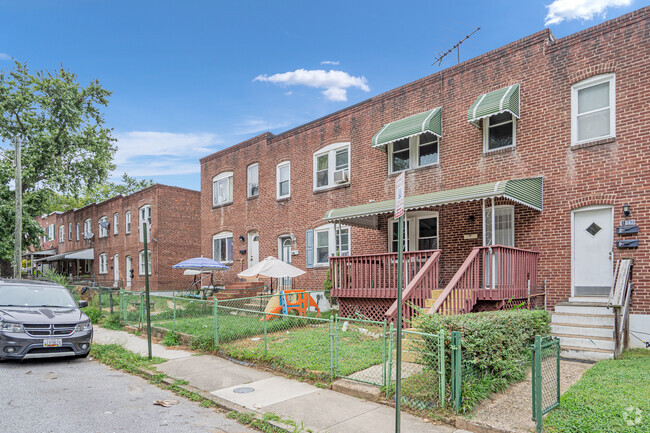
column 545, row 377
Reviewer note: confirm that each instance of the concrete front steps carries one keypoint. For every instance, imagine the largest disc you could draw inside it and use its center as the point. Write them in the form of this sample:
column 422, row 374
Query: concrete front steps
column 585, row 328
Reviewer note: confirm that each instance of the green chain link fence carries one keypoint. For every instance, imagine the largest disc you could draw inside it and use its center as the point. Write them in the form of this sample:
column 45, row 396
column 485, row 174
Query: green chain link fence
column 545, row 377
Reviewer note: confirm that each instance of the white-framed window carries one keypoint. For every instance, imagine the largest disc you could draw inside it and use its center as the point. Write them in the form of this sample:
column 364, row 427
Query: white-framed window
column 103, row 263
column 116, row 223
column 61, row 233
column 283, row 177
column 77, row 224
column 222, row 188
column 88, row 229
column 50, row 232
column 417, row 151
column 332, row 166
column 499, row 131
column 421, row 232
column 141, row 262
column 593, row 109
column 70, row 231
column 253, row 180
column 145, row 217
column 127, row 222
column 103, row 227
column 222, row 247
column 329, row 241
column 504, row 225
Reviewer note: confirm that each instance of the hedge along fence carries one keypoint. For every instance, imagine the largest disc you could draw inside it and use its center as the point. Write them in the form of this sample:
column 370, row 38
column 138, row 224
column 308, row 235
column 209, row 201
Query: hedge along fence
column 495, row 348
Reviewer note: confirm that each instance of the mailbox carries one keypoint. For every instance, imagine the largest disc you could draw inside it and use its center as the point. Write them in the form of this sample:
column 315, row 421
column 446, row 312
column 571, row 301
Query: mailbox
column 626, row 230
column 628, row 243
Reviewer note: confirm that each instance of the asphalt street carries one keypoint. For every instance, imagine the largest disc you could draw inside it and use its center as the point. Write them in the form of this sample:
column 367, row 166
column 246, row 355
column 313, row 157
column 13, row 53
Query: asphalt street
column 75, row 395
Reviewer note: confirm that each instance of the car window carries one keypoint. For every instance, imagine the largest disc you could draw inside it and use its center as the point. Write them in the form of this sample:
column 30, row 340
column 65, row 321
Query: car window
column 23, row 296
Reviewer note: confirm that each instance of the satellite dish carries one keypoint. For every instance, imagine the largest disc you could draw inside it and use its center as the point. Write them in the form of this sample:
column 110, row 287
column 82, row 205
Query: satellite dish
column 104, row 224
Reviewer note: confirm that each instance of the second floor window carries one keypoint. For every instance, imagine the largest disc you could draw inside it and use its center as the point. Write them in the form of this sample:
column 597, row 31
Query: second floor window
column 103, row 227
column 145, row 217
column 116, row 222
column 332, row 166
column 77, row 229
column 499, row 131
column 283, row 176
column 222, row 189
column 69, row 231
column 593, row 109
column 413, row 152
column 88, row 230
column 253, row 181
column 61, row 233
column 127, row 222
column 51, row 232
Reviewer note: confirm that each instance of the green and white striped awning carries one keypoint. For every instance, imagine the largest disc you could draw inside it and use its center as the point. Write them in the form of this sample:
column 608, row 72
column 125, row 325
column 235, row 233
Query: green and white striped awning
column 527, row 192
column 489, row 104
column 429, row 121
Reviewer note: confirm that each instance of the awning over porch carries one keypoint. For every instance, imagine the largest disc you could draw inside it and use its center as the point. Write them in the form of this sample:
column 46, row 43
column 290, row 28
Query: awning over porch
column 527, row 192
column 87, row 254
column 429, row 121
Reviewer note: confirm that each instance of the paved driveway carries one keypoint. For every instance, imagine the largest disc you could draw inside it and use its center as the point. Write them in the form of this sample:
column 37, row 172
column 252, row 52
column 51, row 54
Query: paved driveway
column 66, row 395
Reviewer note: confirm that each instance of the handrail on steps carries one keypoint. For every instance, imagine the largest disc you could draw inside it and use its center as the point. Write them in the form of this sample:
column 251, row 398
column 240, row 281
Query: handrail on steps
column 619, row 300
column 414, row 284
column 454, row 281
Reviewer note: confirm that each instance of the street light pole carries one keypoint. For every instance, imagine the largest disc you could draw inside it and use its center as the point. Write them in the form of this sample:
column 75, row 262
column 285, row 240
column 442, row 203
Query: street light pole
column 18, row 244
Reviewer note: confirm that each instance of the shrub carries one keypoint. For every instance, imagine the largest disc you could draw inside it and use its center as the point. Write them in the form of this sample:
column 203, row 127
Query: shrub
column 171, row 339
column 495, row 347
column 94, row 314
column 113, row 322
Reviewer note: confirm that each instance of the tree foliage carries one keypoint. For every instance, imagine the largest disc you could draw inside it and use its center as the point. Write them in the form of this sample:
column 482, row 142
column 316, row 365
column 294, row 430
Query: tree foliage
column 65, row 145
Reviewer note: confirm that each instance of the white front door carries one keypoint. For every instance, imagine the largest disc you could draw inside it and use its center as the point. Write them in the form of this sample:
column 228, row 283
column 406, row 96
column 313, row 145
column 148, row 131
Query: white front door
column 116, row 268
column 253, row 248
column 284, row 244
column 593, row 237
column 128, row 271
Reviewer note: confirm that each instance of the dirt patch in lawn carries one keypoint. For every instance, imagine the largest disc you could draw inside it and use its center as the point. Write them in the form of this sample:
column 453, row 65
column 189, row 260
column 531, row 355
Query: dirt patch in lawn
column 512, row 410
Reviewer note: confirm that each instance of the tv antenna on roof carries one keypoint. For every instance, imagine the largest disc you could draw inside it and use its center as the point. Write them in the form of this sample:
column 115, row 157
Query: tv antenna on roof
column 455, row 47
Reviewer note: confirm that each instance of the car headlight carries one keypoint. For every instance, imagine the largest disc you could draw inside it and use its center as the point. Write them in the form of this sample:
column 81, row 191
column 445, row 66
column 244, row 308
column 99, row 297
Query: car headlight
column 84, row 326
column 11, row 327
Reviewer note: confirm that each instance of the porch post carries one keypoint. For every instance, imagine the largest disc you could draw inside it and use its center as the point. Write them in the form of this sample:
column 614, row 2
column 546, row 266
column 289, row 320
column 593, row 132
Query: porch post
column 338, row 253
column 493, row 276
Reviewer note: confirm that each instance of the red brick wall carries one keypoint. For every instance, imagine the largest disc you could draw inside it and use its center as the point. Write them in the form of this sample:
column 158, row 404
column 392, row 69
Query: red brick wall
column 175, row 234
column 611, row 172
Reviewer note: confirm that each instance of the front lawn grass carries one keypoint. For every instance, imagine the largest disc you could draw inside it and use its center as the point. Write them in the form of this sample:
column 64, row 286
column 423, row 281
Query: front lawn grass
column 612, row 396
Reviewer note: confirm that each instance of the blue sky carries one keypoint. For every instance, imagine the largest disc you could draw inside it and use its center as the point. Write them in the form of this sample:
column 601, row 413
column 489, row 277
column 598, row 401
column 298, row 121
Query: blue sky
column 192, row 77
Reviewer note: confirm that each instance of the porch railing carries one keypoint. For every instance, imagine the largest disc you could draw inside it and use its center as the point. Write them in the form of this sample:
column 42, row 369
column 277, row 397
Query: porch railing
column 619, row 300
column 494, row 273
column 418, row 290
column 373, row 275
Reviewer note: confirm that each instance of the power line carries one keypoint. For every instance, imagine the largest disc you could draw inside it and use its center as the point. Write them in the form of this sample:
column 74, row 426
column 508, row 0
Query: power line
column 455, row 47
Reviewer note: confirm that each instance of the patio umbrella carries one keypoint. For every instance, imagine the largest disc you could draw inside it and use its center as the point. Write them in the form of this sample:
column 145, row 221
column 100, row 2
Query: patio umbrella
column 271, row 267
column 201, row 264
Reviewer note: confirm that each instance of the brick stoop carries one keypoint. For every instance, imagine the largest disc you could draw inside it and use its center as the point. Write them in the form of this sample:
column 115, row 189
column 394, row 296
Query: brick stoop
column 240, row 289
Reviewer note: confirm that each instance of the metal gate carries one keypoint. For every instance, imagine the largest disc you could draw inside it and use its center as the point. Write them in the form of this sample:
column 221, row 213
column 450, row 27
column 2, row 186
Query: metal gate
column 545, row 377
column 368, row 336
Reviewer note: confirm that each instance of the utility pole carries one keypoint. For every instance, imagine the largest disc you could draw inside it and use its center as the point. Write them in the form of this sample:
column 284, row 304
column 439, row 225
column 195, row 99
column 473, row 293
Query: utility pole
column 18, row 241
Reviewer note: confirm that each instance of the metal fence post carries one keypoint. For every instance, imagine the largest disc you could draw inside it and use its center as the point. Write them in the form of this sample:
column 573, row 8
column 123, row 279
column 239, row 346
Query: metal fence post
column 141, row 309
column 441, row 367
column 456, row 369
column 110, row 300
column 215, row 313
column 174, row 320
column 332, row 348
column 557, row 351
column 121, row 306
column 266, row 347
column 389, row 382
column 383, row 354
column 100, row 298
column 537, row 383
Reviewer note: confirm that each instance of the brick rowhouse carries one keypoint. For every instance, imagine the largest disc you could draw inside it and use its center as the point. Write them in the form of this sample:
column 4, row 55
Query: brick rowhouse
column 611, row 172
column 174, row 237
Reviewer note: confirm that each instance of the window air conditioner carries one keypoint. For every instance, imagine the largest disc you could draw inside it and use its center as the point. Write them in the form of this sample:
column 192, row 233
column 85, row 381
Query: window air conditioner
column 341, row 176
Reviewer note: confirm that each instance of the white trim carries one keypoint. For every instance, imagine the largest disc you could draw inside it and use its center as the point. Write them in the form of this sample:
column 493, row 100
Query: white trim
column 116, row 223
column 486, row 133
column 102, row 264
column 148, row 221
column 584, row 84
column 332, row 234
column 224, row 235
column 226, row 175
column 330, row 151
column 141, row 262
column 103, row 232
column 478, row 104
column 277, row 179
column 414, row 152
column 248, row 180
column 573, row 212
column 127, row 222
column 379, row 134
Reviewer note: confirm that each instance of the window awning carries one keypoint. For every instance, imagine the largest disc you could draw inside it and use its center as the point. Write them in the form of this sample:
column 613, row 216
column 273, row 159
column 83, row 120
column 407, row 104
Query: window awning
column 429, row 121
column 489, row 104
column 527, row 192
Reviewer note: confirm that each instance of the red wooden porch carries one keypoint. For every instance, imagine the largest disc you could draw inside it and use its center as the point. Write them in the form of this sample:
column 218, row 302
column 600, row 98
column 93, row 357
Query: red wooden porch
column 490, row 276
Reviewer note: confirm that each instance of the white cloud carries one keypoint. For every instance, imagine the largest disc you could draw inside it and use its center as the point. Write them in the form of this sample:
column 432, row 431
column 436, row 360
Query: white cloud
column 5, row 56
column 251, row 126
column 149, row 153
column 334, row 82
column 330, row 62
column 561, row 10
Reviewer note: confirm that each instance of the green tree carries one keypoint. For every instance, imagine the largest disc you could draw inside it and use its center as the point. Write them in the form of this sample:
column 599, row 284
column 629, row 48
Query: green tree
column 66, row 146
column 127, row 185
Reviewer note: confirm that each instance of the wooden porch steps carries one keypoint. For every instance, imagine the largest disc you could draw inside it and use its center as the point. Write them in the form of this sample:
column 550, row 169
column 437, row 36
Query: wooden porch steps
column 435, row 294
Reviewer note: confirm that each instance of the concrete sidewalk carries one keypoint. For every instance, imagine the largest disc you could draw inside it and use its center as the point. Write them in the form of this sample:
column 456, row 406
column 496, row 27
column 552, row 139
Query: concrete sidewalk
column 320, row 410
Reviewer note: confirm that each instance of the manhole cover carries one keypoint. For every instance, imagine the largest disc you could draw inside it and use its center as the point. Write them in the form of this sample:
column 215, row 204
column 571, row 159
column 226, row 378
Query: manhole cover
column 243, row 390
